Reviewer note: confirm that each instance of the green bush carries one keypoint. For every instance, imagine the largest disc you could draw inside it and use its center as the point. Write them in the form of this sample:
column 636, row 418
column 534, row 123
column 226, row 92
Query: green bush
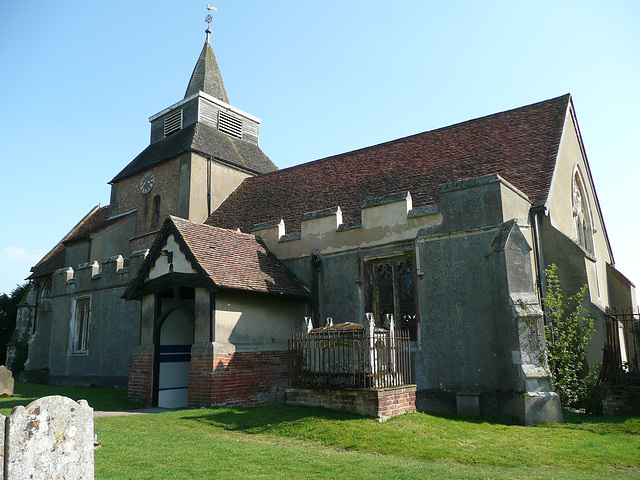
column 568, row 330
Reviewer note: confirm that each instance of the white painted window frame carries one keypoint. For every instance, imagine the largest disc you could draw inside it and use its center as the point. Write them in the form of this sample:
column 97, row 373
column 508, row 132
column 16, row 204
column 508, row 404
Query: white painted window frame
column 79, row 345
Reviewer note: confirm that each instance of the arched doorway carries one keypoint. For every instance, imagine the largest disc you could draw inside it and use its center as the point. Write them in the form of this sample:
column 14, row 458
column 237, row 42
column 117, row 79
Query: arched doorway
column 176, row 338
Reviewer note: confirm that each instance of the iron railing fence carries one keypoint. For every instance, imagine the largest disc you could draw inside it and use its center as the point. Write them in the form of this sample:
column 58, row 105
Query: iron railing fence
column 351, row 359
column 623, row 339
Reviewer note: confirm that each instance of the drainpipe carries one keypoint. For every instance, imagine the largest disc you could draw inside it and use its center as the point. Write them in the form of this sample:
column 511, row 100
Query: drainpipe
column 35, row 313
column 208, row 187
column 316, row 263
column 537, row 249
column 212, row 317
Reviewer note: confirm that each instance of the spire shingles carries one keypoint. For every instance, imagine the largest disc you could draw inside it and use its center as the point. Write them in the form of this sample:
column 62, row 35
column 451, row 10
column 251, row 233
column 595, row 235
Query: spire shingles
column 206, row 76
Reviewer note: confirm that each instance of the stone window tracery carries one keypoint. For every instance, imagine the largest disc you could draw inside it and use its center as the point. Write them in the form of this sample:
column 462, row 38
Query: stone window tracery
column 392, row 291
column 45, row 291
column 582, row 215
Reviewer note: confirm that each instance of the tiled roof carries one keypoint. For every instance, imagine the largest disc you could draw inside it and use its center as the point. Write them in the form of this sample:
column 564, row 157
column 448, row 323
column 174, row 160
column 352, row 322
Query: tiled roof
column 201, row 138
column 54, row 260
column 231, row 260
column 48, row 264
column 90, row 225
column 94, row 222
column 620, row 276
column 520, row 145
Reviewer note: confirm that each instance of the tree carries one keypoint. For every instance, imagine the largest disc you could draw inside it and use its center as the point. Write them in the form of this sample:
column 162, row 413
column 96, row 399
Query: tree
column 567, row 333
column 8, row 314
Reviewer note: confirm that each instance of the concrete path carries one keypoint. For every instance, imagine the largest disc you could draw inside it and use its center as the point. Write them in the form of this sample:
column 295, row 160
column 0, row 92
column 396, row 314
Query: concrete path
column 122, row 413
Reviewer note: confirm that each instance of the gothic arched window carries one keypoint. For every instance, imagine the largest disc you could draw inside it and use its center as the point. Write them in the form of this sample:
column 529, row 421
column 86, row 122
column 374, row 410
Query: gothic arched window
column 582, row 215
column 392, row 291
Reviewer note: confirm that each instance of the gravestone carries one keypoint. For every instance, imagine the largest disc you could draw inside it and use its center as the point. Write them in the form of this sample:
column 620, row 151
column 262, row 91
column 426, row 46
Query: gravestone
column 52, row 437
column 6, row 382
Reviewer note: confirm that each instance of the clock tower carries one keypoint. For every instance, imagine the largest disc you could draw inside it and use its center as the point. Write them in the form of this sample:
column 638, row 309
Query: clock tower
column 201, row 149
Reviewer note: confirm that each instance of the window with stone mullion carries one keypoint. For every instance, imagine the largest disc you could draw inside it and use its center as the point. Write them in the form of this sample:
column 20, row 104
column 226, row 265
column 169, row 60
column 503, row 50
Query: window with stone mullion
column 406, row 298
column 394, row 293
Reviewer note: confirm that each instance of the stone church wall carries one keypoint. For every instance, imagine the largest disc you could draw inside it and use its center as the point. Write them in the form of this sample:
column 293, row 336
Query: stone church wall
column 223, row 179
column 126, row 195
column 574, row 266
column 473, row 265
column 112, row 331
column 465, row 291
column 113, row 242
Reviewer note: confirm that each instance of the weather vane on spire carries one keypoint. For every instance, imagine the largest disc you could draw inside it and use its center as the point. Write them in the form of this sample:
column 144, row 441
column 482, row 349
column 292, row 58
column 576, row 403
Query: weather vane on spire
column 209, row 18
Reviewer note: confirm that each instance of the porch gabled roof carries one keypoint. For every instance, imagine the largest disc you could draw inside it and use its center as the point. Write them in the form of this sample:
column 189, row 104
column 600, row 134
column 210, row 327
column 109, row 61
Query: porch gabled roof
column 223, row 259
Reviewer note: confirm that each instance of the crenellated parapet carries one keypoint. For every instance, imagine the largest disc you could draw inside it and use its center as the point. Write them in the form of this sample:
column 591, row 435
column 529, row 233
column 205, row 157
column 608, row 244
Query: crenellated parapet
column 113, row 272
column 479, row 203
column 383, row 220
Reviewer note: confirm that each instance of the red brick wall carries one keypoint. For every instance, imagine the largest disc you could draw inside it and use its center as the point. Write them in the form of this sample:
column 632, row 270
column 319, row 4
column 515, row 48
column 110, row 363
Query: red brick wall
column 397, row 402
column 239, row 379
column 141, row 375
column 261, row 378
column 381, row 404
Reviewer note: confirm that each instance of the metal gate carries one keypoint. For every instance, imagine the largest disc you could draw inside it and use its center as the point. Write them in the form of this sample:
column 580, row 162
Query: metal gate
column 621, row 349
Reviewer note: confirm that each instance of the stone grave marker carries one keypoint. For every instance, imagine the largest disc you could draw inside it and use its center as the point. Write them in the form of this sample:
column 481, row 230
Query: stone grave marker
column 52, row 437
column 6, row 382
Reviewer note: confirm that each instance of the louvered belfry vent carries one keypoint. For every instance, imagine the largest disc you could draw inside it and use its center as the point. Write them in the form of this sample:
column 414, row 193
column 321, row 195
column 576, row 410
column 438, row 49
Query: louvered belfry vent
column 172, row 122
column 229, row 124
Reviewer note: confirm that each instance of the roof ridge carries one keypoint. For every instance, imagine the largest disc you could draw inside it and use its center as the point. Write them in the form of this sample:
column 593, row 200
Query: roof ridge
column 75, row 228
column 202, row 224
column 398, row 140
column 484, row 117
column 520, row 145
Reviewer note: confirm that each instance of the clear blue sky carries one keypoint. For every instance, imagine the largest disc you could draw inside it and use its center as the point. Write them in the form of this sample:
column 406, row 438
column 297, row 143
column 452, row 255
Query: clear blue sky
column 79, row 80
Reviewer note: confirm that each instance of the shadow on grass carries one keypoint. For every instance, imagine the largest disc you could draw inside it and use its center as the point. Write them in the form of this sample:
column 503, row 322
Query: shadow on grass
column 599, row 424
column 488, row 419
column 580, row 418
column 255, row 420
column 271, row 417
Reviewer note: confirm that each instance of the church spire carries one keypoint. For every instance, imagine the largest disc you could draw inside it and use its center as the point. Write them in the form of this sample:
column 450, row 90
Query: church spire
column 206, row 75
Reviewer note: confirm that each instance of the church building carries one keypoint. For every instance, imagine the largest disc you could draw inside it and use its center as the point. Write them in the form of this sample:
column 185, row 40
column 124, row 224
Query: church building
column 188, row 286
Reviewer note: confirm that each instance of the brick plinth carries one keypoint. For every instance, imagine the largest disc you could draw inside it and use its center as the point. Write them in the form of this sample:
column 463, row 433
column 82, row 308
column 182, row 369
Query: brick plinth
column 141, row 375
column 382, row 404
column 238, row 379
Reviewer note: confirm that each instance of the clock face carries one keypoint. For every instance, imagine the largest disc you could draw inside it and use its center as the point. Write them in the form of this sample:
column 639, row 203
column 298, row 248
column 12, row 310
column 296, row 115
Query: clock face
column 146, row 184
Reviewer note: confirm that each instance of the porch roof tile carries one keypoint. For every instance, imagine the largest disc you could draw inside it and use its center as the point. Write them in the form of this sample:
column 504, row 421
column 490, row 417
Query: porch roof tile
column 235, row 260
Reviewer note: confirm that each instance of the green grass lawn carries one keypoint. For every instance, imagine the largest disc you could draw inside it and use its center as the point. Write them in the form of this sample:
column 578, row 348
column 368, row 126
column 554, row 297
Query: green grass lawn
column 296, row 442
column 98, row 398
